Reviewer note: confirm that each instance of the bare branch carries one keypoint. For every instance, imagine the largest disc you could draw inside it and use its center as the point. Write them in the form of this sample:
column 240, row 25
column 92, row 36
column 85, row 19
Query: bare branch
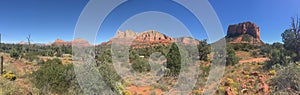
column 28, row 38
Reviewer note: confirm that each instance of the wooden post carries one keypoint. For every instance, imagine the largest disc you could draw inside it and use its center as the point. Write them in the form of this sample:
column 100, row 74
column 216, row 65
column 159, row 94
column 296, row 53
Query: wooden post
column 1, row 67
column 1, row 64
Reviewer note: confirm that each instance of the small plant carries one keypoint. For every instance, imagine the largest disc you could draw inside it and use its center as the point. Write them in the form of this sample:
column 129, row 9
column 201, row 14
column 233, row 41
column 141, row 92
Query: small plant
column 272, row 72
column 127, row 83
column 10, row 75
column 122, row 90
column 221, row 89
column 254, row 54
column 247, row 76
column 196, row 92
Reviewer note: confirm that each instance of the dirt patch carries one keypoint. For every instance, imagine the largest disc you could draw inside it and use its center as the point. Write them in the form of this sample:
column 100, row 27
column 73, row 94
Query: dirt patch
column 144, row 90
column 254, row 60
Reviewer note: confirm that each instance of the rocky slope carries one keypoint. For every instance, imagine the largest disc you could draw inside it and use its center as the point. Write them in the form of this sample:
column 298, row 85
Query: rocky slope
column 246, row 32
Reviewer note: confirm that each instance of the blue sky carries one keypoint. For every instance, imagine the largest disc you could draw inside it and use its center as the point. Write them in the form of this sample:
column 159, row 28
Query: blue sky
column 47, row 20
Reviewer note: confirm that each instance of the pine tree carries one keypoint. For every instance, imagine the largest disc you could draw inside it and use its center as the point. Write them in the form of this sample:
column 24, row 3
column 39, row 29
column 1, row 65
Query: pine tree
column 174, row 60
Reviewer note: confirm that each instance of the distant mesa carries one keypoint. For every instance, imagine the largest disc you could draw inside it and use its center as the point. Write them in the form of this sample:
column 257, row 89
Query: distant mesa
column 246, row 32
column 147, row 38
column 76, row 42
column 22, row 43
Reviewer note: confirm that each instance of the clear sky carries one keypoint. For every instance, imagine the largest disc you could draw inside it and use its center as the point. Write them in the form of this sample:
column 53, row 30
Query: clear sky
column 47, row 20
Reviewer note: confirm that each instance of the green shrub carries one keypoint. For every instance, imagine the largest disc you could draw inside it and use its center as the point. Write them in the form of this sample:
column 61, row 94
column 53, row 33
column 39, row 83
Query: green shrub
column 141, row 65
column 254, row 54
column 287, row 80
column 246, row 38
column 31, row 57
column 231, row 58
column 280, row 57
column 14, row 54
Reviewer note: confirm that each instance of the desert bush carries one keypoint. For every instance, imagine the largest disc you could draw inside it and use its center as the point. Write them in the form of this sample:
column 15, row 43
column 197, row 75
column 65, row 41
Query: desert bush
column 53, row 77
column 243, row 47
column 141, row 65
column 31, row 57
column 231, row 58
column 246, row 38
column 254, row 54
column 287, row 80
column 280, row 57
column 204, row 50
column 265, row 50
column 14, row 54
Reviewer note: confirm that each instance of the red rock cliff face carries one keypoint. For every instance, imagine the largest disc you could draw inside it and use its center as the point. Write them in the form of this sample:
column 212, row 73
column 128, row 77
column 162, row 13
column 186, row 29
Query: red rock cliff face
column 235, row 31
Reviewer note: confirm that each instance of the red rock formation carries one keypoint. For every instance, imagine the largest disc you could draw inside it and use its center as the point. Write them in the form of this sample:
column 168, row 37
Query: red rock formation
column 77, row 42
column 60, row 42
column 147, row 38
column 247, row 28
column 22, row 43
column 80, row 42
column 187, row 41
column 136, row 39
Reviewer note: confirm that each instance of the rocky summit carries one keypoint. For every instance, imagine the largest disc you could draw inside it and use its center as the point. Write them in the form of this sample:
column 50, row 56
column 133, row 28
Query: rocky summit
column 246, row 32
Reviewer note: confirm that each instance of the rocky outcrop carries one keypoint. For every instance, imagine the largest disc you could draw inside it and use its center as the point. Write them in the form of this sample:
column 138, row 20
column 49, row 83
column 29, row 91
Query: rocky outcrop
column 246, row 32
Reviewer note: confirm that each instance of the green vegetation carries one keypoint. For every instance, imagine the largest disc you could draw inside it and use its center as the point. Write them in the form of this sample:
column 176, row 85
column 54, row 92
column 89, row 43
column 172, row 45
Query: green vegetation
column 204, row 50
column 246, row 38
column 287, row 80
column 291, row 39
column 244, row 47
column 141, row 65
column 30, row 52
column 231, row 58
column 174, row 60
column 55, row 78
column 14, row 54
column 283, row 54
